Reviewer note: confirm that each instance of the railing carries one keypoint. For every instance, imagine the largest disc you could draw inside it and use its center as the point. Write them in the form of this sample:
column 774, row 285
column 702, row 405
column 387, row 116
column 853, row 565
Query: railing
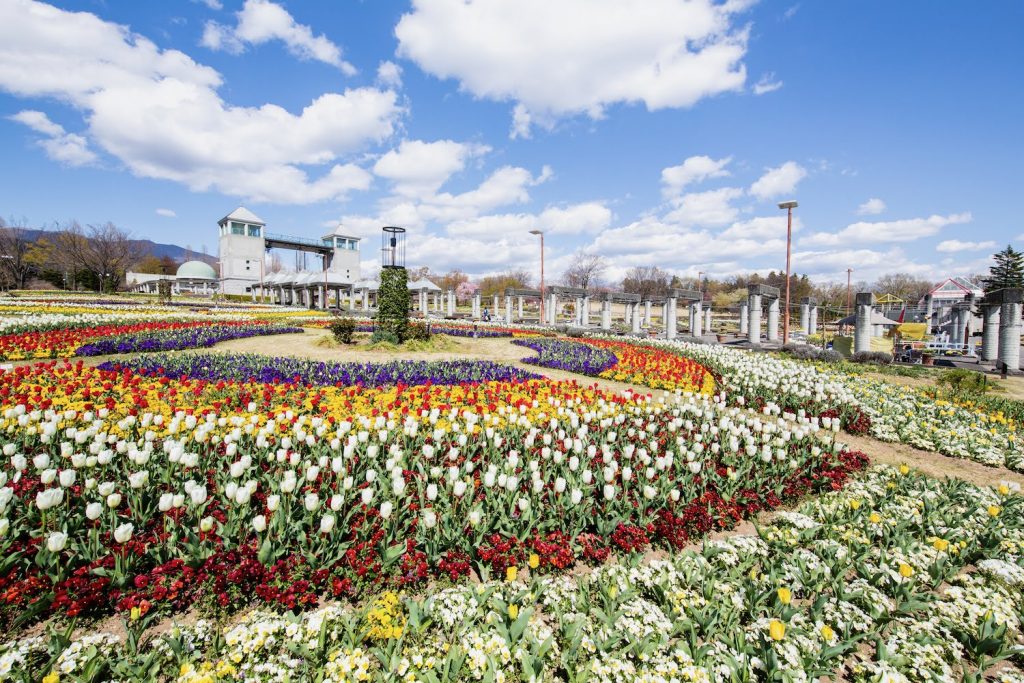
column 305, row 241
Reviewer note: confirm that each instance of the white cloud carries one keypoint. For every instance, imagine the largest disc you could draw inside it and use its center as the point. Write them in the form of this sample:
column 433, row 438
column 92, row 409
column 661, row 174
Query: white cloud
column 159, row 113
column 585, row 218
column 767, row 84
column 705, row 209
column 693, row 170
column 871, row 207
column 261, row 21
column 578, row 56
column 61, row 146
column 761, row 227
column 212, row 4
column 389, row 75
column 419, row 169
column 166, row 213
column 906, row 230
column 778, row 181
column 957, row 245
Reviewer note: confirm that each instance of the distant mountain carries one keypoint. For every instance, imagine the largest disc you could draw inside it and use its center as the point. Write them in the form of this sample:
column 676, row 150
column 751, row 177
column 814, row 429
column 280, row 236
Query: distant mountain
column 149, row 247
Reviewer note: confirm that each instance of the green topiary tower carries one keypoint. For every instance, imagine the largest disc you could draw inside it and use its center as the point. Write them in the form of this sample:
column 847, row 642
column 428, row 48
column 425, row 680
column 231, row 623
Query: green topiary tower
column 393, row 304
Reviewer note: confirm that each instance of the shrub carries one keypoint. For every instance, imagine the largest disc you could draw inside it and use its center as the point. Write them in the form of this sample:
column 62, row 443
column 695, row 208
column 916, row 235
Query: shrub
column 393, row 306
column 388, row 336
column 873, row 357
column 343, row 330
column 965, row 381
column 417, row 331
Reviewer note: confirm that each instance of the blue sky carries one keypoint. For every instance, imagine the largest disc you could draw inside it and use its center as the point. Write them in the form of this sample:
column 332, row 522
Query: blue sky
column 652, row 132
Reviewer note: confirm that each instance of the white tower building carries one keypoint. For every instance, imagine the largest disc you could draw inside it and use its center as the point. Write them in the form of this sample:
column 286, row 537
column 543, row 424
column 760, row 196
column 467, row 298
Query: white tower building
column 242, row 247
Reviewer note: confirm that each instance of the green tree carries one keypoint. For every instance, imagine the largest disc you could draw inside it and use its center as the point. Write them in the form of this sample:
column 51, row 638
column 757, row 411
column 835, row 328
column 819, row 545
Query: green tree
column 393, row 306
column 1008, row 270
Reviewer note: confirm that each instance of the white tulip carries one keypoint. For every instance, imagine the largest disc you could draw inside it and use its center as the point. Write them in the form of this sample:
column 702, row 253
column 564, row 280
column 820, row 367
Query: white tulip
column 459, row 489
column 576, row 496
column 123, row 533
column 56, row 541
column 5, row 526
column 429, row 518
column 243, row 495
column 385, row 509
column 475, row 517
column 326, row 524
column 48, row 477
column 113, row 500
column 336, row 502
column 206, row 524
column 165, row 503
column 67, row 478
column 367, row 496
column 273, row 502
column 198, row 495
column 609, row 491
column 559, row 485
column 93, row 510
column 311, row 502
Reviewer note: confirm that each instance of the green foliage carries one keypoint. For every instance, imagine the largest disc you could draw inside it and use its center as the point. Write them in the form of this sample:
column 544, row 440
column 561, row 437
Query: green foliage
column 417, row 331
column 962, row 381
column 1008, row 270
column 343, row 330
column 393, row 306
column 386, row 336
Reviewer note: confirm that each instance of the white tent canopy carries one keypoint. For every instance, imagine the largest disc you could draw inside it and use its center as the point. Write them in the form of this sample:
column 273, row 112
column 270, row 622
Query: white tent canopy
column 424, row 284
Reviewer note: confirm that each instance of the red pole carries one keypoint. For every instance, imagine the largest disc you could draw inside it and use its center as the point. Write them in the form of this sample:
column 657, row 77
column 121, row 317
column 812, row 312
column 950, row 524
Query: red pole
column 789, row 242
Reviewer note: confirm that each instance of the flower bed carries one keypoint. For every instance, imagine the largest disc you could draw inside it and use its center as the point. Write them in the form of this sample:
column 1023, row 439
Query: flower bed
column 567, row 355
column 123, row 490
column 897, row 578
column 190, row 336
column 267, row 369
column 864, row 406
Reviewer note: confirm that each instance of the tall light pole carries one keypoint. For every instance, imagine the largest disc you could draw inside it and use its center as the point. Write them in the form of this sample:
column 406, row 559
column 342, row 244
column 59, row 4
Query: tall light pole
column 541, row 233
column 789, row 206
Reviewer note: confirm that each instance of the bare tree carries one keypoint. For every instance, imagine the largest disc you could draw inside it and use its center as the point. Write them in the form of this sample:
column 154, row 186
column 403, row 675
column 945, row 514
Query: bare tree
column 105, row 250
column 496, row 284
column 452, row 280
column 15, row 253
column 584, row 270
column 647, row 281
column 904, row 286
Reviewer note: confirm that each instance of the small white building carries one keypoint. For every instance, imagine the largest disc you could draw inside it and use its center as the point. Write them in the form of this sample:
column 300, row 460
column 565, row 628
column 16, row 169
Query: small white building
column 192, row 277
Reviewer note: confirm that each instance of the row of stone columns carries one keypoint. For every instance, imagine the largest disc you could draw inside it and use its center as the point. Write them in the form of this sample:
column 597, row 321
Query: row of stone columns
column 1000, row 333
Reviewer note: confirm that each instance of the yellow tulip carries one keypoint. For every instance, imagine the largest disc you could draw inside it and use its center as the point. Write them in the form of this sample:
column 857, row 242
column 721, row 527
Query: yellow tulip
column 785, row 595
column 940, row 544
column 135, row 614
column 906, row 571
column 827, row 633
column 855, row 504
column 904, row 469
column 511, row 573
column 534, row 561
column 875, row 518
column 777, row 630
column 994, row 510
column 513, row 611
column 1004, row 490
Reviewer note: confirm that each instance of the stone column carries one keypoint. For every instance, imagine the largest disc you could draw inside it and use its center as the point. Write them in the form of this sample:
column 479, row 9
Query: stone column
column 508, row 308
column 585, row 313
column 476, row 305
column 805, row 317
column 1009, row 330
column 813, row 325
column 744, row 313
column 577, row 311
column 324, row 304
column 366, row 299
column 754, row 324
column 606, row 315
column 636, row 316
column 495, row 308
column 671, row 318
column 773, row 320
column 707, row 320
column 627, row 316
column 696, row 327
column 451, row 303
column 990, row 333
column 928, row 310
column 519, row 307
column 423, row 303
column 647, row 313
column 862, row 326
column 552, row 308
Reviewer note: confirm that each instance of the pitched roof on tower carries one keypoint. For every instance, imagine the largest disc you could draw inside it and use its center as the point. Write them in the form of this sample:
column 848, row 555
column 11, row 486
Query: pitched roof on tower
column 242, row 215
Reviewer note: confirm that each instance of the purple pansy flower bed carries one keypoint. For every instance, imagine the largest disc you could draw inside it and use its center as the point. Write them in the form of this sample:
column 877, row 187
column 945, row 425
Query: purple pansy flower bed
column 246, row 367
column 177, row 339
column 571, row 356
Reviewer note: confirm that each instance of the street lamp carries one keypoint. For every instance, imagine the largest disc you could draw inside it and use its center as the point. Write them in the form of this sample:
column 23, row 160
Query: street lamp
column 789, row 206
column 541, row 233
